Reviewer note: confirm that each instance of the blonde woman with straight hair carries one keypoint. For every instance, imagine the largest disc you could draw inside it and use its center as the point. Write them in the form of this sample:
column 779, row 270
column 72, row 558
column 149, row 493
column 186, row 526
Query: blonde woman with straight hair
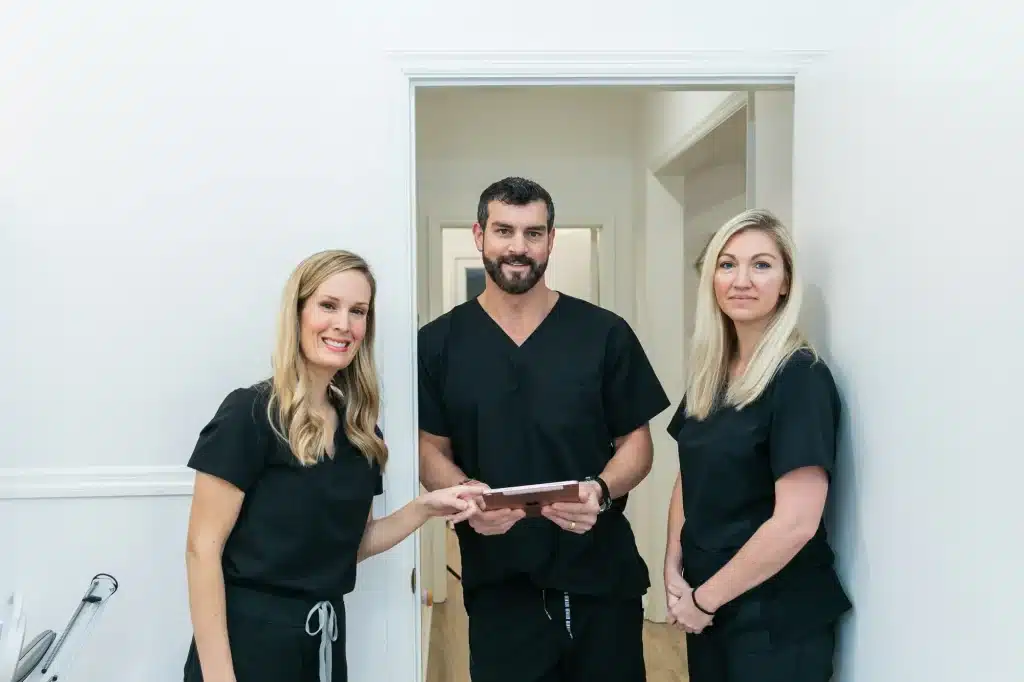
column 749, row 571
column 286, row 473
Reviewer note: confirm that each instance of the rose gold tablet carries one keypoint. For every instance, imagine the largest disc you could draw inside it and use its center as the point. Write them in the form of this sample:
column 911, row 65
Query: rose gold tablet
column 532, row 497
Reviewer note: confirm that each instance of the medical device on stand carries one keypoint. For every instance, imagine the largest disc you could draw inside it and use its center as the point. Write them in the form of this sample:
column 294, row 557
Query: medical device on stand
column 48, row 657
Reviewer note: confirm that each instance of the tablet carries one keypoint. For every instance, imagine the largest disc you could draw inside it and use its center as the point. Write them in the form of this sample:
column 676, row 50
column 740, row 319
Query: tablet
column 531, row 498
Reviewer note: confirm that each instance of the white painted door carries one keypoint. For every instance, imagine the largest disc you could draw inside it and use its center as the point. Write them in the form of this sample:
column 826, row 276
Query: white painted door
column 906, row 174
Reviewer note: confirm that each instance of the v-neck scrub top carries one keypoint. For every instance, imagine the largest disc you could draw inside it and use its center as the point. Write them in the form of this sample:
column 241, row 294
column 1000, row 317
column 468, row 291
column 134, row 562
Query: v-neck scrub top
column 547, row 410
column 729, row 464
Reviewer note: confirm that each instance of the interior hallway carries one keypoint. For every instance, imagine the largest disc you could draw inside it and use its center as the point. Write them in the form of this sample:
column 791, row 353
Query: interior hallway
column 449, row 641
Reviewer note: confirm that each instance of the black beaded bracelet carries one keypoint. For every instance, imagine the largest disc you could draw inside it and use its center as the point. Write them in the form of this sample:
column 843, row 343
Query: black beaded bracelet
column 693, row 598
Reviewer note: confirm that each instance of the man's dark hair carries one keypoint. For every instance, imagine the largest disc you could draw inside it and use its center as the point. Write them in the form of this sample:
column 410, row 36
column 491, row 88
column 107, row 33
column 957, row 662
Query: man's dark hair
column 514, row 192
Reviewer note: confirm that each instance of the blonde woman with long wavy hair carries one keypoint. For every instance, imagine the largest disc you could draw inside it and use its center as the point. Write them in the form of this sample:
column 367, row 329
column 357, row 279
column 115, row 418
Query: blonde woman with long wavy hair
column 286, row 473
column 749, row 570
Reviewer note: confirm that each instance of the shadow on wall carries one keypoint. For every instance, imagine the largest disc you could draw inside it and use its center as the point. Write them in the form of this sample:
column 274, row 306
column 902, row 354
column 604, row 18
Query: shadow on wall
column 841, row 511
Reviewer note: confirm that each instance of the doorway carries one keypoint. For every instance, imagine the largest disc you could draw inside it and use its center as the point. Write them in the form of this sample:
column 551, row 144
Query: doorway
column 640, row 178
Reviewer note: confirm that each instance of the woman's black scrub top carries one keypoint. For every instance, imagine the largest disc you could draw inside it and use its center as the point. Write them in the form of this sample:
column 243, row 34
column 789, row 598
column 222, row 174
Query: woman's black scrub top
column 299, row 528
column 730, row 463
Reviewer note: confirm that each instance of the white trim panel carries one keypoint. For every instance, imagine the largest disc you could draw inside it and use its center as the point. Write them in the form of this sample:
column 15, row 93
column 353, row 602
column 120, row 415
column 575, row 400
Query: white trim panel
column 96, row 481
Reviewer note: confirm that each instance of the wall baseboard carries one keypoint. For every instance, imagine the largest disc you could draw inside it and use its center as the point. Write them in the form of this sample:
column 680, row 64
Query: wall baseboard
column 95, row 481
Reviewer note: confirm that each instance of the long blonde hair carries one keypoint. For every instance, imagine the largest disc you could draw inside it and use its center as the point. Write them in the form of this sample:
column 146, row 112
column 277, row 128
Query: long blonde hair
column 357, row 385
column 714, row 337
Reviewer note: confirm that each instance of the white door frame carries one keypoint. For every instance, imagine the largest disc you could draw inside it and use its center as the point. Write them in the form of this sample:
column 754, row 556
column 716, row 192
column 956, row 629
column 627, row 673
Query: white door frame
column 694, row 70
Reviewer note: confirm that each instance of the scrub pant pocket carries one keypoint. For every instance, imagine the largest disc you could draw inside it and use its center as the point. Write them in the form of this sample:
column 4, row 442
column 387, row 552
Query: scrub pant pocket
column 269, row 643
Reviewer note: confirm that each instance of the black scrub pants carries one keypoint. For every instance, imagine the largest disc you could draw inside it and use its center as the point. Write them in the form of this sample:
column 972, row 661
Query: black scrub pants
column 755, row 656
column 521, row 633
column 269, row 641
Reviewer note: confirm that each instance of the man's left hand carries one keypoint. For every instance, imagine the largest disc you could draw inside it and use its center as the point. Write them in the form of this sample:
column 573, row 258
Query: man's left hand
column 577, row 517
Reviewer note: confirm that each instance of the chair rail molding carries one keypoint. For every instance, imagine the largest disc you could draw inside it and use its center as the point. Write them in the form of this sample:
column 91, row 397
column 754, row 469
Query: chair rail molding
column 95, row 481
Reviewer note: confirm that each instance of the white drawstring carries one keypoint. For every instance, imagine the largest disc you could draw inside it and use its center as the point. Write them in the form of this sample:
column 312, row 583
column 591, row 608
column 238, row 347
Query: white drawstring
column 568, row 609
column 568, row 615
column 328, row 631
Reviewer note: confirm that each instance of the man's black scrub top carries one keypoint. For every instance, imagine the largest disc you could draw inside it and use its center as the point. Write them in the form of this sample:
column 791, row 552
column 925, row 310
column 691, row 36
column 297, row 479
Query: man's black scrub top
column 548, row 410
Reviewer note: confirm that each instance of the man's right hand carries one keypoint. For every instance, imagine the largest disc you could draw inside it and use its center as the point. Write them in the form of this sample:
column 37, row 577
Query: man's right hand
column 496, row 522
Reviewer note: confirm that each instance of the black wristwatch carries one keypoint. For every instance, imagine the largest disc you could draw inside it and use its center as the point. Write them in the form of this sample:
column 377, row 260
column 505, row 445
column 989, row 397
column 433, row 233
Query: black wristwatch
column 606, row 497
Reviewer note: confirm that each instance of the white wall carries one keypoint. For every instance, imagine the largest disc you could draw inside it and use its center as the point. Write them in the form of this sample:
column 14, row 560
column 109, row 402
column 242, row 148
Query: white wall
column 904, row 147
column 162, row 168
column 53, row 548
column 670, row 118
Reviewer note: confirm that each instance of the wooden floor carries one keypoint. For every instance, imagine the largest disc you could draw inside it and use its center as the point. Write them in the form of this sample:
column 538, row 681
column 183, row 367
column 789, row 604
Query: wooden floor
column 448, row 661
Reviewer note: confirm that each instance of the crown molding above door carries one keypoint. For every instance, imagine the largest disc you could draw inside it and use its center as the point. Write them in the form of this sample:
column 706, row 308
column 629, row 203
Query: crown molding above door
column 706, row 69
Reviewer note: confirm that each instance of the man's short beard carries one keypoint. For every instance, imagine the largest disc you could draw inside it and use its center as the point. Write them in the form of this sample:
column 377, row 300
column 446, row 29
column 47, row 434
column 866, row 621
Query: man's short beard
column 515, row 285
